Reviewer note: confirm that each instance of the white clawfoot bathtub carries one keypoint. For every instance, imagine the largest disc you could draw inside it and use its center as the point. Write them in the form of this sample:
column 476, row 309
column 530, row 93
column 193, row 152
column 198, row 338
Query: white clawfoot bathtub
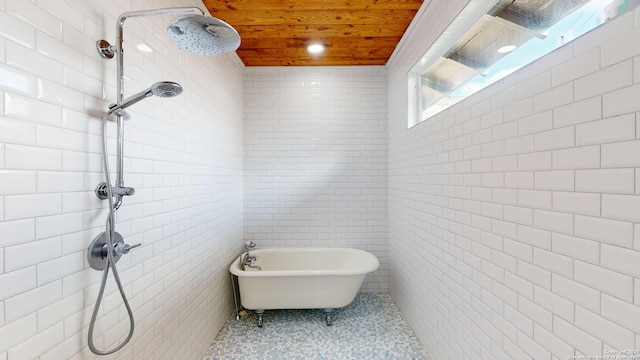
column 302, row 278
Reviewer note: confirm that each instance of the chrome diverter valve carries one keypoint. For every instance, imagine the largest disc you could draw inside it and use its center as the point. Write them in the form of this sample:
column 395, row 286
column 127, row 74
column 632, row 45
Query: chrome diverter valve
column 98, row 250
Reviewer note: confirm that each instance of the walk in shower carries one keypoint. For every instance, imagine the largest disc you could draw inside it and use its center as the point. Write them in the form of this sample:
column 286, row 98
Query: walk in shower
column 194, row 32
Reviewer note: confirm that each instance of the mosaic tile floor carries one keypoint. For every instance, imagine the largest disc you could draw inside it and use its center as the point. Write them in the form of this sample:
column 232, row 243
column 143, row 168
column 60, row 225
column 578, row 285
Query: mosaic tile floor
column 370, row 328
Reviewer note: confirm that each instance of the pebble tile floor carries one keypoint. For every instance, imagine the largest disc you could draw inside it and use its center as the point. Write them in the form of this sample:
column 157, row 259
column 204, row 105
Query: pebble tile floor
column 370, row 328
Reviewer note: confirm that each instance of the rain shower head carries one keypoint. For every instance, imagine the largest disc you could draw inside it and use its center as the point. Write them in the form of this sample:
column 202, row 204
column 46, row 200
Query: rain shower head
column 161, row 89
column 203, row 35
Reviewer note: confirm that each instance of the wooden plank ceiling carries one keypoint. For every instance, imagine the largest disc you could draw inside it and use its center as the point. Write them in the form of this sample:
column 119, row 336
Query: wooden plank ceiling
column 354, row 32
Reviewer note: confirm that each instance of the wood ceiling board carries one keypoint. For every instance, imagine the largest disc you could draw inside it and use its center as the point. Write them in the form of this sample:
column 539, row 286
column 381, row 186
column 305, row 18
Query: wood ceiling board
column 316, row 17
column 316, row 31
column 336, row 42
column 219, row 5
column 355, row 32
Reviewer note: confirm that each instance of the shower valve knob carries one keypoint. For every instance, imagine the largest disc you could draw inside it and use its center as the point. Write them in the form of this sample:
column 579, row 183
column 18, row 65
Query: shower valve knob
column 101, row 191
column 120, row 248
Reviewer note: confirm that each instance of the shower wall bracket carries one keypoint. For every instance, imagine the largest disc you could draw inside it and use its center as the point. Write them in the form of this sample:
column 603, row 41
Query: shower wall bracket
column 103, row 193
column 106, row 50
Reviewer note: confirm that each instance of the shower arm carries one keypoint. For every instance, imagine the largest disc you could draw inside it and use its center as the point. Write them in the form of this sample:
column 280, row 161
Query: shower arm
column 108, row 51
column 119, row 39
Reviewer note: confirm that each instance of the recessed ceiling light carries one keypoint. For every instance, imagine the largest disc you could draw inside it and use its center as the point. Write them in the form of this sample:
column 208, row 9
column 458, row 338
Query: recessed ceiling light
column 507, row 49
column 315, row 49
column 144, row 48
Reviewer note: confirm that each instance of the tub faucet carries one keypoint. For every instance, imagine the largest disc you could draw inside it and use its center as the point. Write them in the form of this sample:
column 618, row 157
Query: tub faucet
column 249, row 260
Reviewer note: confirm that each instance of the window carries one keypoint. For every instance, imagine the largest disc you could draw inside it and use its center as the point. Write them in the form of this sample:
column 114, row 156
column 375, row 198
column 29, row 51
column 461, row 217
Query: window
column 482, row 46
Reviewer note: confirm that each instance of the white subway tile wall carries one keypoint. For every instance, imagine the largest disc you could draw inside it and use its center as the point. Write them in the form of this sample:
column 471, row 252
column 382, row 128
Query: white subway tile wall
column 183, row 155
column 557, row 162
column 315, row 167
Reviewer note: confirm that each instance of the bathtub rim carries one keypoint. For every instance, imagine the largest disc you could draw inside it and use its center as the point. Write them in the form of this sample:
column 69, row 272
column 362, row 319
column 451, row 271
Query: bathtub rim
column 234, row 268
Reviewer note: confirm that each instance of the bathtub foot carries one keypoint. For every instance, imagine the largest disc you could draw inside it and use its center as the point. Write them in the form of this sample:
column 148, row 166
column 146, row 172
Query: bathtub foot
column 327, row 316
column 259, row 313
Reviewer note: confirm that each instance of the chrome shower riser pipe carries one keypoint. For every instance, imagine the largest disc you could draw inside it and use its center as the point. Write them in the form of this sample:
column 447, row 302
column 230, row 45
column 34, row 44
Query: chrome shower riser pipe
column 213, row 37
column 142, row 13
column 107, row 51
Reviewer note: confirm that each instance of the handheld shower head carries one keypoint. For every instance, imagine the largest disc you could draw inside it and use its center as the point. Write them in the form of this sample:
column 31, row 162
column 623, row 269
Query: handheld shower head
column 166, row 89
column 161, row 89
column 203, row 35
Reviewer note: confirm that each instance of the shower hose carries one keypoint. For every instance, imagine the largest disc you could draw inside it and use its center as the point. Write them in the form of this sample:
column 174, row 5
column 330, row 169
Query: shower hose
column 109, row 231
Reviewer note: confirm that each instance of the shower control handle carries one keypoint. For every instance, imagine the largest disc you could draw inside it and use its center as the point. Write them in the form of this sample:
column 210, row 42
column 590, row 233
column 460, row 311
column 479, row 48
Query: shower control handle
column 121, row 248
